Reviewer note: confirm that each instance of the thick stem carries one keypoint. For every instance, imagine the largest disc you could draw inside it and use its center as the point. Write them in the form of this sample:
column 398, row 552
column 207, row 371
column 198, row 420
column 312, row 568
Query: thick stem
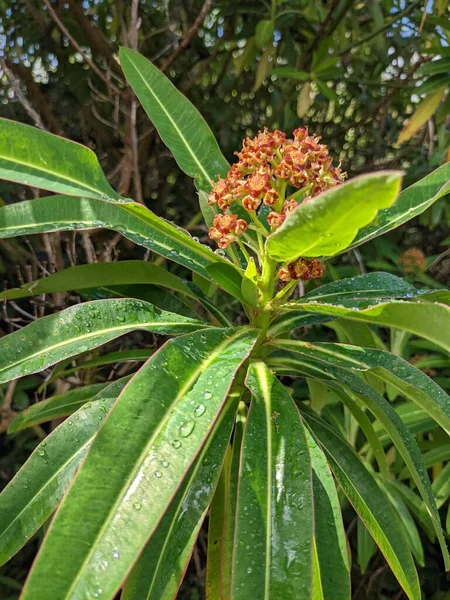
column 261, row 318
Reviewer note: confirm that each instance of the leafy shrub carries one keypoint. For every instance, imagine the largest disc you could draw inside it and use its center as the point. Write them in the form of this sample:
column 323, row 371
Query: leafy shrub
column 213, row 420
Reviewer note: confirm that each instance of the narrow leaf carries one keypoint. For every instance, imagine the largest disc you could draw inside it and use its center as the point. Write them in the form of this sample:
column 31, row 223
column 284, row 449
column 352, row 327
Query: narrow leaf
column 410, row 382
column 370, row 503
column 148, row 443
column 425, row 319
column 34, row 493
column 108, row 274
column 411, row 202
column 274, row 517
column 328, row 223
column 332, row 562
column 81, row 328
column 133, row 221
column 33, row 157
column 178, row 122
column 161, row 567
column 55, row 407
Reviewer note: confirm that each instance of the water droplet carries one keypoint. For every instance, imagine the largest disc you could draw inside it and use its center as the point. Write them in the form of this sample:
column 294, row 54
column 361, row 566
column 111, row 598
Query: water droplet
column 41, row 452
column 115, row 554
column 187, row 428
column 137, row 505
column 164, row 464
column 207, row 395
column 158, row 474
column 176, row 444
column 121, row 318
column 249, row 570
column 200, row 410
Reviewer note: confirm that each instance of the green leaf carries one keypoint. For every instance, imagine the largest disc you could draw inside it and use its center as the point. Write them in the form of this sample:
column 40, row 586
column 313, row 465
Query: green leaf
column 442, row 65
column 133, row 221
column 249, row 291
column 328, row 223
column 425, row 319
column 148, row 443
column 33, row 157
column 370, row 503
column 332, row 561
column 291, row 73
column 408, row 522
column 222, row 521
column 410, row 382
column 229, row 278
column 360, row 291
column 89, row 276
column 423, row 112
column 55, row 407
column 411, row 202
column 162, row 564
column 178, row 122
column 274, row 517
column 366, row 546
column 81, row 328
column 35, row 491
column 398, row 432
column 264, row 33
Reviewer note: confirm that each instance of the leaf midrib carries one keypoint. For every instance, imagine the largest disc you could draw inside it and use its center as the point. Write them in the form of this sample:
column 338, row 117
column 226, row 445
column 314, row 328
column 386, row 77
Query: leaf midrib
column 168, row 115
column 98, row 334
column 64, row 178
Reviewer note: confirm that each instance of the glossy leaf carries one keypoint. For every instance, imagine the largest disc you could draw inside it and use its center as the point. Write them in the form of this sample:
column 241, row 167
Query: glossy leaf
column 370, row 503
column 222, row 522
column 55, row 407
column 411, row 202
column 105, row 359
column 178, row 122
column 274, row 515
column 81, row 328
column 164, row 415
column 425, row 319
column 133, row 221
column 108, row 274
column 162, row 564
column 34, row 157
column 35, row 491
column 398, row 432
column 410, row 382
column 332, row 562
column 329, row 222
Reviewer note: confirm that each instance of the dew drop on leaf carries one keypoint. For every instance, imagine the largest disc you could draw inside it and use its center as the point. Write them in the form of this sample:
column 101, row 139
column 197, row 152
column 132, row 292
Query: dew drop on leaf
column 187, row 428
column 137, row 505
column 207, row 395
column 158, row 474
column 200, row 410
column 176, row 444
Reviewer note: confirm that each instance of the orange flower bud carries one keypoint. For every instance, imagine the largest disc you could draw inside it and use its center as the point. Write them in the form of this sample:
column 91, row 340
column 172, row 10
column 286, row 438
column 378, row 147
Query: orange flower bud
column 250, row 203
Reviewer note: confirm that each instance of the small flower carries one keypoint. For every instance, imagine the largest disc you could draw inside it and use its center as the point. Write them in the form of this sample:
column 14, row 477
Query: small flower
column 275, row 219
column 270, row 197
column 226, row 228
column 250, row 203
column 303, row 269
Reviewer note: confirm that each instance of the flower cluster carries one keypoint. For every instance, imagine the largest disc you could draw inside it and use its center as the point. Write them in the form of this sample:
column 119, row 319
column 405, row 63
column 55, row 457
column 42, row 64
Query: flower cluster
column 302, row 268
column 267, row 165
column 278, row 172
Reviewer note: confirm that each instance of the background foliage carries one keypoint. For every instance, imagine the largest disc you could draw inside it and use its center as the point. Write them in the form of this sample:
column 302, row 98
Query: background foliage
column 381, row 102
